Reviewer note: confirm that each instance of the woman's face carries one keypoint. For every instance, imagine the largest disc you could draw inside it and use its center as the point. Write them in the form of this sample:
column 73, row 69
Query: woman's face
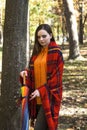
column 43, row 37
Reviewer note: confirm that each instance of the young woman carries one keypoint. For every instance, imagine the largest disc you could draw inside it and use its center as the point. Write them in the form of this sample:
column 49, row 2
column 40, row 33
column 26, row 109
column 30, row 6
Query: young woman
column 44, row 79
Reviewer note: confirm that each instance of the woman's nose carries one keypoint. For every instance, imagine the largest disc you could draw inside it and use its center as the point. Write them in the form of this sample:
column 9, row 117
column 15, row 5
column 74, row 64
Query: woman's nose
column 41, row 38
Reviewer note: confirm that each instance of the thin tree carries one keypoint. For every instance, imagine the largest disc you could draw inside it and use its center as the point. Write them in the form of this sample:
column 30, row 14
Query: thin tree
column 82, row 20
column 13, row 61
column 69, row 12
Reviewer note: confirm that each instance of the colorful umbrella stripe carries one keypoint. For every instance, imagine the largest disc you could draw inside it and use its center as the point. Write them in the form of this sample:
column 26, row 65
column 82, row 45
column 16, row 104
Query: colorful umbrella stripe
column 25, row 110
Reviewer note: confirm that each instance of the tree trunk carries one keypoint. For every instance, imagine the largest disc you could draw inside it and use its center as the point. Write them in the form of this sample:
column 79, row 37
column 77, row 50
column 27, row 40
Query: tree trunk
column 72, row 29
column 13, row 61
column 81, row 28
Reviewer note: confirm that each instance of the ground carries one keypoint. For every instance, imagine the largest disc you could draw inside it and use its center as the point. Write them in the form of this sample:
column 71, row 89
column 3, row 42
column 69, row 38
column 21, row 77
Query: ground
column 73, row 113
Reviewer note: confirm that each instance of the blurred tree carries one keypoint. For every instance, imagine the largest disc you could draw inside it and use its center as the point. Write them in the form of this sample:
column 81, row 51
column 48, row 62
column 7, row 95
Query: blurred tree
column 72, row 29
column 82, row 19
column 42, row 11
column 14, row 60
column 2, row 6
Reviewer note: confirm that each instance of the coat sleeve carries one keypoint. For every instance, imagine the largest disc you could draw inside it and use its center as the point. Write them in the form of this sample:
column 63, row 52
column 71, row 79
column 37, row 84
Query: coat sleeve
column 51, row 92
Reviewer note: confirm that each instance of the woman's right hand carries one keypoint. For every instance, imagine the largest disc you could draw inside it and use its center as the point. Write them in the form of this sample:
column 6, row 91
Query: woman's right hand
column 23, row 72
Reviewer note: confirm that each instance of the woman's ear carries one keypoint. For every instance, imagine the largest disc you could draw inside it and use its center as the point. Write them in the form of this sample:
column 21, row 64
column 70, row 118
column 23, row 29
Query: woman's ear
column 50, row 35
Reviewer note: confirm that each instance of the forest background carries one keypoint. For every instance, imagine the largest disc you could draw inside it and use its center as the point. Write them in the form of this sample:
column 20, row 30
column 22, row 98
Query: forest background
column 18, row 22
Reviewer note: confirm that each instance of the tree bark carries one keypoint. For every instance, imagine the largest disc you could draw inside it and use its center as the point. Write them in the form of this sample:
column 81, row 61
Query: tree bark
column 13, row 61
column 72, row 29
column 81, row 26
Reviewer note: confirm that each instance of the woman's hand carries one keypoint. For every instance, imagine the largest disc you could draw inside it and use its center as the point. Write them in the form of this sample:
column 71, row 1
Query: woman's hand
column 23, row 72
column 35, row 94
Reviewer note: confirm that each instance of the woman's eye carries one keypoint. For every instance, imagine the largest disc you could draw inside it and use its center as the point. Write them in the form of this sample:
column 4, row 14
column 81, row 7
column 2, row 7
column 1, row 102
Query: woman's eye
column 43, row 36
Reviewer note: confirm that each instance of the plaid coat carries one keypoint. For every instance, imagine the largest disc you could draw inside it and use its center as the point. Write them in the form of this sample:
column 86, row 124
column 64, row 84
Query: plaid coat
column 51, row 92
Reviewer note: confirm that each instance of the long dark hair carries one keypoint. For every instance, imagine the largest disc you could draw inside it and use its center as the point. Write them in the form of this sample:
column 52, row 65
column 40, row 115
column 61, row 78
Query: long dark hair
column 37, row 47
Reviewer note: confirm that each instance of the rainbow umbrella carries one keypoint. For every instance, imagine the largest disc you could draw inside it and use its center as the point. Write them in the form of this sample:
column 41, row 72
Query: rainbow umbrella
column 25, row 110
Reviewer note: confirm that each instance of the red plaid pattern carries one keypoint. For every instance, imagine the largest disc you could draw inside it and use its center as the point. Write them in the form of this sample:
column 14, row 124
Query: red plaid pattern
column 51, row 92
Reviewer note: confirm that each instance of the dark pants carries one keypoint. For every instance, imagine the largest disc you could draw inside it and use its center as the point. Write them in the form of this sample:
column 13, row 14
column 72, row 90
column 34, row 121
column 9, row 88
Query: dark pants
column 41, row 123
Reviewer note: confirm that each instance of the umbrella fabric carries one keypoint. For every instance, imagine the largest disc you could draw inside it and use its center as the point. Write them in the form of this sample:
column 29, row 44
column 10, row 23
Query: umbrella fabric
column 25, row 110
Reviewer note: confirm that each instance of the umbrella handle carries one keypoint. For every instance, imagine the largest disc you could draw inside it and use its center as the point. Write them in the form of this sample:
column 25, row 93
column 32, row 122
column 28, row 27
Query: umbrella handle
column 24, row 78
